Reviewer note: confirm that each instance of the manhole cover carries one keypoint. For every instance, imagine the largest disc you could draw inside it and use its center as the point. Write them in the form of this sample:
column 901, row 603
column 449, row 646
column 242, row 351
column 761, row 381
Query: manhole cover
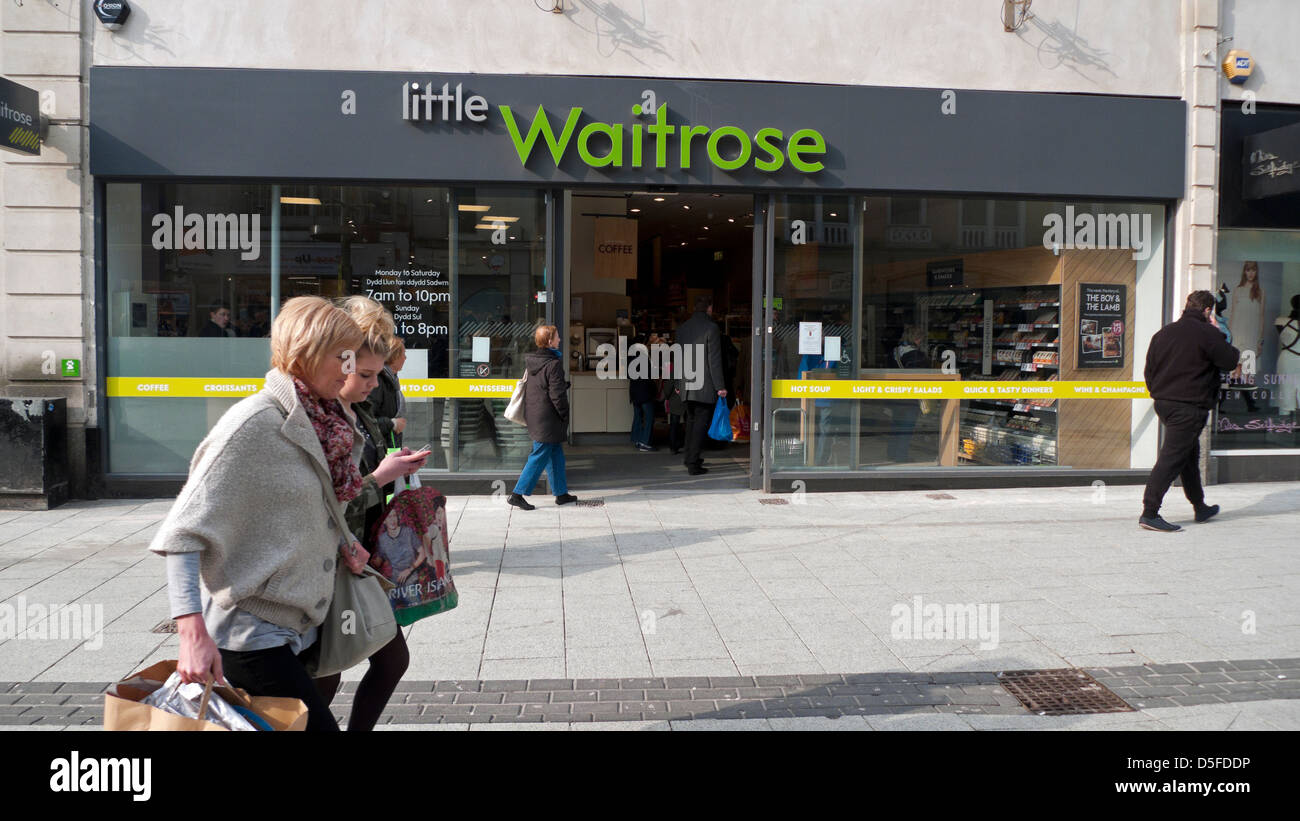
column 939, row 496
column 1061, row 692
column 165, row 626
column 590, row 503
column 773, row 502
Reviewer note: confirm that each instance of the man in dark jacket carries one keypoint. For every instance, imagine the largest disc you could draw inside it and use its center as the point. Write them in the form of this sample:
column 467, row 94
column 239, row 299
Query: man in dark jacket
column 702, row 335
column 1182, row 376
column 546, row 409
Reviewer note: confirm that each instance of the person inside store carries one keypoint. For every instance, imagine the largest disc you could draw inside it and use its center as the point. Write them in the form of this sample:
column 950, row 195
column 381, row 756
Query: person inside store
column 546, row 410
column 387, row 401
column 908, row 354
column 218, row 324
column 673, row 391
column 1183, row 364
column 702, row 332
column 388, row 664
column 254, row 536
column 828, row 424
column 641, row 393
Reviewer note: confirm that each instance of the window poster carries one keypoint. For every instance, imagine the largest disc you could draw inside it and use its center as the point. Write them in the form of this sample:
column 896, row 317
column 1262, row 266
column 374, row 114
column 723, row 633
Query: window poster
column 1102, row 309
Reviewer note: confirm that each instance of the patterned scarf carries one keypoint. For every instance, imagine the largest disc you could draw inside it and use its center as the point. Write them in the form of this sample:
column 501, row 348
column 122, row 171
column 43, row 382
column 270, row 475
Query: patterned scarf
column 335, row 434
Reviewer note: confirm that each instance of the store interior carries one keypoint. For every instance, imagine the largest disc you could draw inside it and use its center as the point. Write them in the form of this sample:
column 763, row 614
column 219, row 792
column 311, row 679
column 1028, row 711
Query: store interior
column 637, row 260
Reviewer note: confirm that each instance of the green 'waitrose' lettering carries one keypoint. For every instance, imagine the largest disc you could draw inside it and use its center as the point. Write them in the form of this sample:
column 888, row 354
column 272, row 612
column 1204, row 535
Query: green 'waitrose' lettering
column 764, row 148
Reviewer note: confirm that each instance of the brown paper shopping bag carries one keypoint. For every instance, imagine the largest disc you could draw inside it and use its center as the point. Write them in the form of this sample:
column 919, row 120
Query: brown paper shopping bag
column 123, row 709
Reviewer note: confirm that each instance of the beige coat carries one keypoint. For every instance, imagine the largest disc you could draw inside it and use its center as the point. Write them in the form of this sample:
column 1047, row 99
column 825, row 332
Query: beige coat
column 260, row 507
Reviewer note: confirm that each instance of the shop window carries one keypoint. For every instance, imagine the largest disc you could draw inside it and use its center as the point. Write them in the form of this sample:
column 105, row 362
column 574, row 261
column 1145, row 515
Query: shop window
column 1258, row 289
column 813, row 330
column 1005, row 311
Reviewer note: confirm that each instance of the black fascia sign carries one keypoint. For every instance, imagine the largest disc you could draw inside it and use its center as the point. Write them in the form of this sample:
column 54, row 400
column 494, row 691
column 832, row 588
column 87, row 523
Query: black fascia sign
column 112, row 13
column 1271, row 163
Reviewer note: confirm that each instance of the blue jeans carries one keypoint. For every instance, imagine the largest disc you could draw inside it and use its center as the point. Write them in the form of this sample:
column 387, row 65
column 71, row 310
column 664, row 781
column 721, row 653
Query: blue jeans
column 643, row 422
column 548, row 456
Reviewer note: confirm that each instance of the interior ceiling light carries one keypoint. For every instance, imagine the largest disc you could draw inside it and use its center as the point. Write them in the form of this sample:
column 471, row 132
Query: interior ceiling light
column 495, row 218
column 715, row 195
column 635, row 210
column 659, row 199
column 300, row 200
column 706, row 228
column 729, row 219
column 478, row 208
column 483, row 226
column 687, row 207
column 833, row 214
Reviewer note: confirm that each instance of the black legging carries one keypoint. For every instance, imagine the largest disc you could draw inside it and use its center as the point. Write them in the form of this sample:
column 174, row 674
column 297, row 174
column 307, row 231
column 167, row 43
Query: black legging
column 276, row 671
column 387, row 666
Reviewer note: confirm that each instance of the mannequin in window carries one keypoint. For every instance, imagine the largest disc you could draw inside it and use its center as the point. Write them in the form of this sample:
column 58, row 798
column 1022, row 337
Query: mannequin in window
column 1288, row 359
column 1247, row 313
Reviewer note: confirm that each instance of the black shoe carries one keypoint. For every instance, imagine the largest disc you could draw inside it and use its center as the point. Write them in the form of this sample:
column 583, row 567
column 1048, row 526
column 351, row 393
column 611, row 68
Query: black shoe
column 696, row 471
column 1205, row 513
column 1157, row 524
column 676, row 451
column 647, row 448
column 565, row 499
column 520, row 502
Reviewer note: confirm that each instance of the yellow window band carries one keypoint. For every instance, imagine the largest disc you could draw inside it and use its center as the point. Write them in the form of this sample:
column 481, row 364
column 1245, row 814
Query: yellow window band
column 189, row 387
column 898, row 389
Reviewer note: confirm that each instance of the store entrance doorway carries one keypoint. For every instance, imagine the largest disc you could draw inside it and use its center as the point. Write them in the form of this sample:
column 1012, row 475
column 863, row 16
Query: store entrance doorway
column 637, row 262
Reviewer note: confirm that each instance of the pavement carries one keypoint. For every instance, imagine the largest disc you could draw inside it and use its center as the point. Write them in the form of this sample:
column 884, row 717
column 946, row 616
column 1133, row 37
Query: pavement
column 728, row 609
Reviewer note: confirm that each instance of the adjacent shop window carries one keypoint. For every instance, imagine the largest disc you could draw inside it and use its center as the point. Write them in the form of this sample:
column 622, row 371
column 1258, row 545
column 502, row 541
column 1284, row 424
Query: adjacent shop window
column 1258, row 289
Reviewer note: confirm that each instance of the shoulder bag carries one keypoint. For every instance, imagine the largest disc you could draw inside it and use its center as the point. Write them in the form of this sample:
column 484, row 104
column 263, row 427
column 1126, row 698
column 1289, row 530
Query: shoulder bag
column 515, row 410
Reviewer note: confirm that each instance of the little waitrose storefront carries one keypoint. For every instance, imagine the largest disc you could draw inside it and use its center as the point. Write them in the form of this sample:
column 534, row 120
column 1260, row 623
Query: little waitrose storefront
column 936, row 287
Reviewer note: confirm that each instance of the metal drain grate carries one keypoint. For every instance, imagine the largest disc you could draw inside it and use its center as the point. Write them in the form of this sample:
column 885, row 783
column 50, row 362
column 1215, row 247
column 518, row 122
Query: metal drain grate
column 1066, row 692
column 939, row 496
column 164, row 626
column 590, row 503
column 773, row 502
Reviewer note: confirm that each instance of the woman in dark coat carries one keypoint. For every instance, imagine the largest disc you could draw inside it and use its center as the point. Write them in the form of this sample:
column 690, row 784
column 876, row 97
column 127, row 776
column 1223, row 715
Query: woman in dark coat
column 546, row 409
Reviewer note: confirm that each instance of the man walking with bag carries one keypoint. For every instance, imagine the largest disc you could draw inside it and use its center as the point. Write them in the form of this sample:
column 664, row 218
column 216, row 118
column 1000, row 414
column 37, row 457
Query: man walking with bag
column 1182, row 375
column 702, row 335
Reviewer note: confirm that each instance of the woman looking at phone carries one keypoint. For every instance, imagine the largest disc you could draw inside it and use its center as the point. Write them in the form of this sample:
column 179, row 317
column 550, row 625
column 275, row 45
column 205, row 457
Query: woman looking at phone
column 253, row 539
column 389, row 663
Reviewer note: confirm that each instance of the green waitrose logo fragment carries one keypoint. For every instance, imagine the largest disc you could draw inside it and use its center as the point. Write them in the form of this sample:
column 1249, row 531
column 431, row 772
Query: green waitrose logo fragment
column 764, row 148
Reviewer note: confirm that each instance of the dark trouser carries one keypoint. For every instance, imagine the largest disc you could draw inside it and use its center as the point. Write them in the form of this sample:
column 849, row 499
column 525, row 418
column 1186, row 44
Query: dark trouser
column 699, row 415
column 387, row 666
column 676, row 431
column 278, row 672
column 643, row 423
column 1180, row 455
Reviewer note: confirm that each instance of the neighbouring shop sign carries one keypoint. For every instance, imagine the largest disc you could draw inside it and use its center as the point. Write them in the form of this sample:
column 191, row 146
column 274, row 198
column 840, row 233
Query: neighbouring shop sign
column 1271, row 160
column 615, row 248
column 943, row 274
column 20, row 118
column 1102, row 309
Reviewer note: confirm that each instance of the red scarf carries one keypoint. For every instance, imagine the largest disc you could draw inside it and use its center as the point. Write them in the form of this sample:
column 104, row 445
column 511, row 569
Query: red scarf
column 335, row 433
